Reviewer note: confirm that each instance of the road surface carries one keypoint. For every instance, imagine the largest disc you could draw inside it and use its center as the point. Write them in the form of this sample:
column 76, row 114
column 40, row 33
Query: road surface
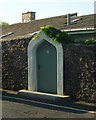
column 13, row 107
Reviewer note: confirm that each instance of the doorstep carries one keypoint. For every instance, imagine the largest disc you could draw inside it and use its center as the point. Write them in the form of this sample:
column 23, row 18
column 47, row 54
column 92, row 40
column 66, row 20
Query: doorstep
column 42, row 96
column 49, row 98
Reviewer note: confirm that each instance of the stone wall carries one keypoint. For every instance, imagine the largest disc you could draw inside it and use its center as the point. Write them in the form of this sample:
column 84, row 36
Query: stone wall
column 14, row 64
column 79, row 68
column 80, row 72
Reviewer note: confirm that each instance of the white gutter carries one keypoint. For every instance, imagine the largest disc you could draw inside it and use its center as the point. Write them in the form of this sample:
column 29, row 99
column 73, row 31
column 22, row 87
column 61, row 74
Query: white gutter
column 80, row 31
column 6, row 34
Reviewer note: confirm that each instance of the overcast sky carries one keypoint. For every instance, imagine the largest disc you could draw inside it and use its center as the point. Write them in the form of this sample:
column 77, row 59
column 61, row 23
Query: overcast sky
column 11, row 10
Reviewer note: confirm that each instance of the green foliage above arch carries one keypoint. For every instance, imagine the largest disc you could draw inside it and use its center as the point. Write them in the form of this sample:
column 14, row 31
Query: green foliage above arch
column 61, row 36
column 57, row 35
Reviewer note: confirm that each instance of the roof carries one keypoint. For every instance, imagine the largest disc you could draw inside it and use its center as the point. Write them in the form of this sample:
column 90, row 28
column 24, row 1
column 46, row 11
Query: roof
column 59, row 22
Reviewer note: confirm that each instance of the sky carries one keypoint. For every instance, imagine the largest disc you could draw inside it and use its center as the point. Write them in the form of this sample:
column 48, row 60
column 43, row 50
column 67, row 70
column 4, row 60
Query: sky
column 11, row 10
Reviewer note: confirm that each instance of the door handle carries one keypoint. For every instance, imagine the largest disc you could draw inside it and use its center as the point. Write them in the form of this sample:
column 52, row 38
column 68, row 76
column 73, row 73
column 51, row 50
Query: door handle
column 38, row 67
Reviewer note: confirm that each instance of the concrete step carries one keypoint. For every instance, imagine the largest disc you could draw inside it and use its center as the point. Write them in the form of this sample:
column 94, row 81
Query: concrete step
column 43, row 96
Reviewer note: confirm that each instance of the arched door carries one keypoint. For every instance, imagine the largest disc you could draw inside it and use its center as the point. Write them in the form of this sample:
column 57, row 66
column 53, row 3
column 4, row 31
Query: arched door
column 46, row 68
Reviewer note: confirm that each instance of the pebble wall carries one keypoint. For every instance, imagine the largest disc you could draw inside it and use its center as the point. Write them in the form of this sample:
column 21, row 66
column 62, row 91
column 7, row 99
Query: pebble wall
column 79, row 68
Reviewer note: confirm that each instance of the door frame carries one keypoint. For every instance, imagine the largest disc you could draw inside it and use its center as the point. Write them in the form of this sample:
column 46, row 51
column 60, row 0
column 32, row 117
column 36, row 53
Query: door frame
column 32, row 69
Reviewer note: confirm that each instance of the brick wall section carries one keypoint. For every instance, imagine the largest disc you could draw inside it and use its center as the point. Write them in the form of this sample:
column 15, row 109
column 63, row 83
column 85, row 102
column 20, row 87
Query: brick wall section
column 79, row 68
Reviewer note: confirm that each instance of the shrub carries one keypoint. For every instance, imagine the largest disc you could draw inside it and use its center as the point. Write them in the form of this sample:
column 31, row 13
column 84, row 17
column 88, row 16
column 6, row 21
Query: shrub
column 91, row 41
column 56, row 35
column 61, row 36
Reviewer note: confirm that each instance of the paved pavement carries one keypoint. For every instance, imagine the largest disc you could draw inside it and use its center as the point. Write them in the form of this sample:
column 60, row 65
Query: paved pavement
column 16, row 107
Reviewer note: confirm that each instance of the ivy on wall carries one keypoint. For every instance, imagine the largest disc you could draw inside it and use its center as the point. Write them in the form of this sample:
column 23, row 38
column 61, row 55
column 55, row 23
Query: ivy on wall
column 91, row 41
column 56, row 35
column 61, row 36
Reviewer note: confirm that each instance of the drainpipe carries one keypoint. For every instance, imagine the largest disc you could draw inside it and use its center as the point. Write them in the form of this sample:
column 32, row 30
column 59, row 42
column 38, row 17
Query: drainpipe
column 68, row 19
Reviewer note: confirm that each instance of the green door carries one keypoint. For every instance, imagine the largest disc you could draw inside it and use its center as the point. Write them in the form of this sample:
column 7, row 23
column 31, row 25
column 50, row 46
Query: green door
column 47, row 68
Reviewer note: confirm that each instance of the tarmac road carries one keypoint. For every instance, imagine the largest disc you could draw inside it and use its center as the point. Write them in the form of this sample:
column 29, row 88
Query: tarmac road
column 13, row 107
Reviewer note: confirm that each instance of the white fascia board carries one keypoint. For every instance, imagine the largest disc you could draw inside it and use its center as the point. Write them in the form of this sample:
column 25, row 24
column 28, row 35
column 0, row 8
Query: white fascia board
column 6, row 34
column 80, row 31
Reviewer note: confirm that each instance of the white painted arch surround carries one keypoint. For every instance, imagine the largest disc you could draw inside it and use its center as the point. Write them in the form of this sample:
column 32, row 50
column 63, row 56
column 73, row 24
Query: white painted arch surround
column 32, row 69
